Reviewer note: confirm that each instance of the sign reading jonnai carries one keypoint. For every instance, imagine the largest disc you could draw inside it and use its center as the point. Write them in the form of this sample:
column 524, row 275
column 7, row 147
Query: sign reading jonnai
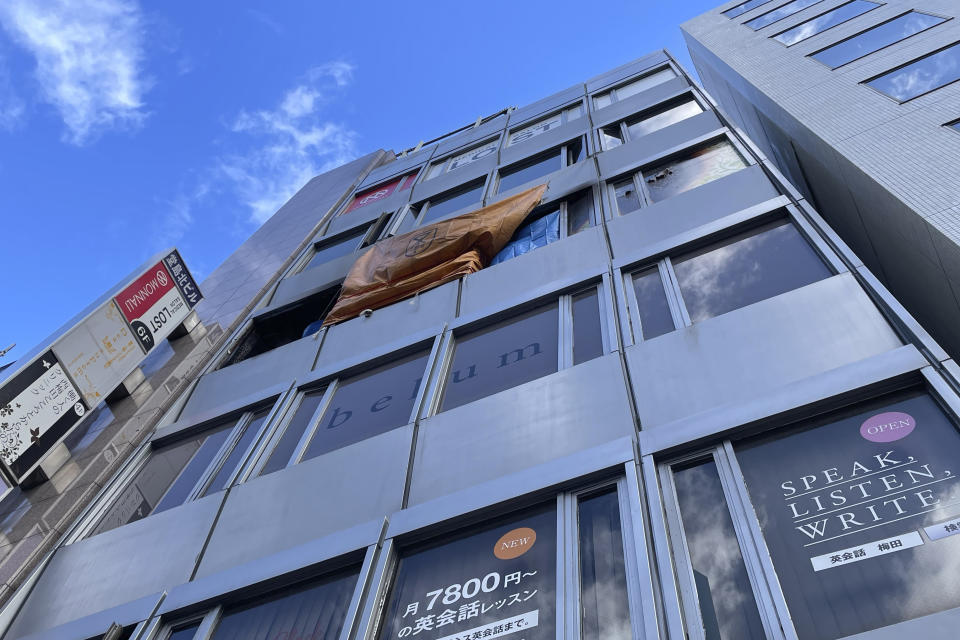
column 861, row 515
column 498, row 582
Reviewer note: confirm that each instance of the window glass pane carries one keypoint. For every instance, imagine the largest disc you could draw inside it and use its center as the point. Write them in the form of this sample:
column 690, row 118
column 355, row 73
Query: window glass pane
column 956, row 125
column 780, row 13
column 859, row 503
column 747, row 268
column 185, row 633
column 740, row 9
column 876, row 38
column 576, row 151
column 697, row 168
column 477, row 153
column 236, row 456
column 369, row 404
column 580, row 213
column 316, row 611
column 539, row 232
column 627, row 198
column 534, row 130
column 602, row 100
column 519, row 174
column 502, row 356
column 180, row 490
column 655, row 318
column 605, row 611
column 587, row 337
column 644, row 83
column 298, row 425
column 917, row 78
column 611, row 137
column 664, row 118
column 435, row 170
column 337, row 249
column 823, row 22
column 448, row 203
column 727, row 605
column 500, row 575
column 574, row 112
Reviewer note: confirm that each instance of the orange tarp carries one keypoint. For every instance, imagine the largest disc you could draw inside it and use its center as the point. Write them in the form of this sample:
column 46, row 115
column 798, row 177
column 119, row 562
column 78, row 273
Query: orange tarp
column 401, row 266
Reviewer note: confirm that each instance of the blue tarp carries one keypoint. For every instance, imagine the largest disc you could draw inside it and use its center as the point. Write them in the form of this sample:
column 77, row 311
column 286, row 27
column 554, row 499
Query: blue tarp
column 530, row 236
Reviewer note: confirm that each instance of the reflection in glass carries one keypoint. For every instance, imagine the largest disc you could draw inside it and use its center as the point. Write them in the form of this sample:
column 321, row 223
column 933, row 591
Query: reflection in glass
column 580, row 213
column 671, row 114
column 587, row 337
column 627, row 198
column 920, row 77
column 605, row 612
column 180, row 490
column 740, row 9
column 576, row 151
column 298, row 425
column 450, row 202
column 823, row 22
column 315, row 611
column 230, row 465
column 503, row 356
column 880, row 36
column 727, row 606
column 574, row 112
column 645, row 82
column 491, row 573
column 338, row 249
column 747, row 268
column 611, row 137
column 528, row 170
column 956, row 125
column 185, row 633
column 696, row 168
column 368, row 404
column 780, row 13
column 857, row 503
column 655, row 318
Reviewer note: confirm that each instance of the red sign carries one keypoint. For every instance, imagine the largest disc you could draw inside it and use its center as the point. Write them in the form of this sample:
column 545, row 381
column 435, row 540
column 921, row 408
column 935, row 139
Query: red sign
column 144, row 292
column 380, row 192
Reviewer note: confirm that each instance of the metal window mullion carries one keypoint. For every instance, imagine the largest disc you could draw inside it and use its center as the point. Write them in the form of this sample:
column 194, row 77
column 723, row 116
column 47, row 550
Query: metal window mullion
column 673, row 620
column 241, row 473
column 748, row 547
column 276, row 424
column 430, row 366
column 314, row 425
column 221, row 456
column 640, row 589
column 209, row 624
column 641, row 186
column 608, row 315
column 377, row 591
column 764, row 559
column 631, row 319
column 671, row 286
column 148, row 630
column 440, row 372
column 350, row 620
column 624, row 133
column 563, row 594
column 564, row 222
column 565, row 320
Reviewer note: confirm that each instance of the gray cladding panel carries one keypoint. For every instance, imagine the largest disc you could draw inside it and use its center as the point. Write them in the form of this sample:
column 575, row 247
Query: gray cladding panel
column 542, row 420
column 737, row 356
column 453, row 179
column 531, row 112
column 559, row 183
column 640, row 102
column 389, row 324
column 250, row 376
column 472, row 135
column 397, row 167
column 118, row 566
column 625, row 71
column 651, row 147
column 312, row 280
column 338, row 490
column 550, row 139
column 538, row 272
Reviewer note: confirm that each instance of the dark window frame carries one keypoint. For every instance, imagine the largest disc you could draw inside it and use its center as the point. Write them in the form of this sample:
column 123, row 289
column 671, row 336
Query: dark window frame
column 877, row 5
column 866, row 82
column 879, row 24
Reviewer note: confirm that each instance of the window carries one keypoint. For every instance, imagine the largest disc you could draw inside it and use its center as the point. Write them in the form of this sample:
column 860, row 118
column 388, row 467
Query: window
column 740, row 9
column 876, row 38
column 283, row 326
column 921, row 76
column 191, row 468
column 550, row 223
column 349, row 410
column 692, row 168
column 545, row 124
column 380, row 192
column 522, row 348
column 463, row 159
column 633, row 87
column 661, row 116
column 954, row 125
column 503, row 573
column 727, row 275
column 330, row 249
column 541, row 165
column 780, row 13
column 451, row 201
column 825, row 21
column 858, row 501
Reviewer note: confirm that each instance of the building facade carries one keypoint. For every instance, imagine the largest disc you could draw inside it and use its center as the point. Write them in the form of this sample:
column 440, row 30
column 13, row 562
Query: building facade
column 855, row 102
column 675, row 405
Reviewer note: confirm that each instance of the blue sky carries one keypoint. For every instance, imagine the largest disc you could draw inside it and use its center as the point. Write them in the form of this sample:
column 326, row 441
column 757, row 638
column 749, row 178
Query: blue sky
column 128, row 127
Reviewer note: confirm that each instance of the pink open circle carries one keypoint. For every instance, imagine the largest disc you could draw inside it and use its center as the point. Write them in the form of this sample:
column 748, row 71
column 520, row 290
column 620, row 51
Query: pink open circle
column 887, row 427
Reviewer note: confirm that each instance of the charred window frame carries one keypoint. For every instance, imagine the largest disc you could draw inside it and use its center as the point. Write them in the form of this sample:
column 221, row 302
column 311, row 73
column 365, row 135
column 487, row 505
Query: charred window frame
column 633, row 86
column 617, row 133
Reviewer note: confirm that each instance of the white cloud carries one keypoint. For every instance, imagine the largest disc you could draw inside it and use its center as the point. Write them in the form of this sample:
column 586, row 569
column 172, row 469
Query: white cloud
column 89, row 55
column 293, row 143
column 11, row 106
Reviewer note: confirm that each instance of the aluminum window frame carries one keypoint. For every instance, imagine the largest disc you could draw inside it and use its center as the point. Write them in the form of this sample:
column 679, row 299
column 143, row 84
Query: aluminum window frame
column 564, row 150
column 673, row 101
column 620, row 84
column 427, row 174
column 563, row 113
column 877, row 5
column 420, row 209
column 373, row 233
column 865, row 82
column 870, row 28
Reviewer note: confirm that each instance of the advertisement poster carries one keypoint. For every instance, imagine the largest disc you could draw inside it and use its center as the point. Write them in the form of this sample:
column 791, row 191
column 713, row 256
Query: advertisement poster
column 498, row 582
column 381, row 192
column 153, row 305
column 861, row 514
column 37, row 408
column 534, row 130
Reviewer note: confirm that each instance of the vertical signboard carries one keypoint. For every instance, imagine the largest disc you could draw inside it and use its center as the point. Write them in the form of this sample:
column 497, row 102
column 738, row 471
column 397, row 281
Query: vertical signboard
column 38, row 406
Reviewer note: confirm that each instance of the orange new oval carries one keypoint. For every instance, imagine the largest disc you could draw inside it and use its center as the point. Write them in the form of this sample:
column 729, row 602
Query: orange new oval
column 514, row 544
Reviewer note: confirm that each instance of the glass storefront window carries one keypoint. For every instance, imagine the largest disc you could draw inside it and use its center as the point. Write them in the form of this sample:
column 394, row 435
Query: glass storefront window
column 693, row 169
column 876, row 38
column 860, row 511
